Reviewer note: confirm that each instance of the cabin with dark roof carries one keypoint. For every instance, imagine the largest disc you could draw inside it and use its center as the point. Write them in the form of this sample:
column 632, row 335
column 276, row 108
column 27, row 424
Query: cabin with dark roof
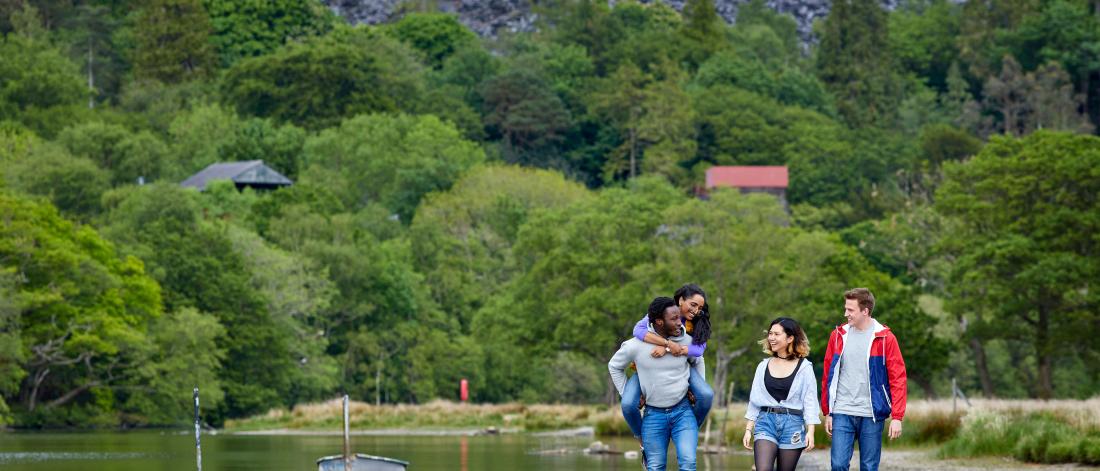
column 751, row 179
column 251, row 174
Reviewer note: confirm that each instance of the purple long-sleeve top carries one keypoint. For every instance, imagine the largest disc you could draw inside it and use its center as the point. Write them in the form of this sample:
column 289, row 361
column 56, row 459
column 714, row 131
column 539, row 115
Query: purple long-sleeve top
column 694, row 351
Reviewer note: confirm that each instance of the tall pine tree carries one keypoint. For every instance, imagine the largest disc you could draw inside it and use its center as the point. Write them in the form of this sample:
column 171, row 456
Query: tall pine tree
column 173, row 38
column 855, row 63
column 702, row 28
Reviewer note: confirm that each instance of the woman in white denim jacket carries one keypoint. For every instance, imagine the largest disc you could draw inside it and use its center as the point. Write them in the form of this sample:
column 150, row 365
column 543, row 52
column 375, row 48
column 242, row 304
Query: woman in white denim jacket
column 783, row 405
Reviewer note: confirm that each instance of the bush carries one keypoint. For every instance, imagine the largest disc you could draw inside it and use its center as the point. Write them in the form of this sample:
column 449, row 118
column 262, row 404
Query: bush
column 1033, row 437
column 613, row 426
column 1088, row 451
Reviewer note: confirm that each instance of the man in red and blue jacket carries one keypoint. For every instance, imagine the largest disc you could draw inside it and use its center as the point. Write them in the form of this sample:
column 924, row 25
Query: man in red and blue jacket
column 863, row 384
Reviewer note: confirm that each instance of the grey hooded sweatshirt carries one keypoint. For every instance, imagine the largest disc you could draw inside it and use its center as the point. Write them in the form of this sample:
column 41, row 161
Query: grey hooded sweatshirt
column 664, row 380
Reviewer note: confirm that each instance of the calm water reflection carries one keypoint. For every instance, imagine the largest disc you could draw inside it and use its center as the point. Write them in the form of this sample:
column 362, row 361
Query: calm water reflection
column 174, row 451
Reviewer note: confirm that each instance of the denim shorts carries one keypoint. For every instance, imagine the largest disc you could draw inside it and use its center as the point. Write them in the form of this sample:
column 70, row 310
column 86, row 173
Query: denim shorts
column 786, row 430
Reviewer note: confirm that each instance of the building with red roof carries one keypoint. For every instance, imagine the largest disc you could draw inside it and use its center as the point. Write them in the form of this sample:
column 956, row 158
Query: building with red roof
column 751, row 179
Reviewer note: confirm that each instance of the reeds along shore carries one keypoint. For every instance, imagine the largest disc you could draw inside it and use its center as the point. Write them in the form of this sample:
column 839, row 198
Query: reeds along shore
column 1061, row 431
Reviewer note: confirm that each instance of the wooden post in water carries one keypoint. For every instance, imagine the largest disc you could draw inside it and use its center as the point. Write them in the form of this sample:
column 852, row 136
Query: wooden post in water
column 198, row 443
column 347, row 437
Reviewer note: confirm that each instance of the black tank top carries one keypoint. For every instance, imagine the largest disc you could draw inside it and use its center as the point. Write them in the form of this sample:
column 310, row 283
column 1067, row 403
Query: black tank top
column 779, row 388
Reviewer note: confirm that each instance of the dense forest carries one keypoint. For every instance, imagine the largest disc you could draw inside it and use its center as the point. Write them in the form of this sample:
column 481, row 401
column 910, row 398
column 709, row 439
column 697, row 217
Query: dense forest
column 503, row 209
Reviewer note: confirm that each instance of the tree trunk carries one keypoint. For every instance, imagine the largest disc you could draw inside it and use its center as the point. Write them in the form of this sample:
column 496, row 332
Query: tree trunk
column 983, row 367
column 633, row 152
column 611, row 395
column 72, row 394
column 926, row 386
column 378, row 384
column 721, row 373
column 39, row 377
column 1043, row 352
column 91, row 74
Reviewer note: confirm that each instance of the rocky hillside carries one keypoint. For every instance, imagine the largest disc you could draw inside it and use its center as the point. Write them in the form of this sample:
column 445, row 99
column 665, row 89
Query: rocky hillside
column 487, row 17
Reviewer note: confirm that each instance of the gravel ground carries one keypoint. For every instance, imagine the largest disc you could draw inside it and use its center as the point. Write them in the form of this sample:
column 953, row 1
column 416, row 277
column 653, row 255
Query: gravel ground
column 925, row 459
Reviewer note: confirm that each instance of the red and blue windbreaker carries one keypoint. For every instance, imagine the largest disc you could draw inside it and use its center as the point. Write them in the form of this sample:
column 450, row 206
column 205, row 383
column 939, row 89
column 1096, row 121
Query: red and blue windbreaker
column 886, row 372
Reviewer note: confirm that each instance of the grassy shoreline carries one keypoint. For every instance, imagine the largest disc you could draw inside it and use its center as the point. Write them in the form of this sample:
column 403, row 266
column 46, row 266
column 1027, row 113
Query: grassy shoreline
column 1062, row 431
column 433, row 415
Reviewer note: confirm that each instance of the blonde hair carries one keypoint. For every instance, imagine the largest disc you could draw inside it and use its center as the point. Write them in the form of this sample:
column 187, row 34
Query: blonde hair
column 799, row 348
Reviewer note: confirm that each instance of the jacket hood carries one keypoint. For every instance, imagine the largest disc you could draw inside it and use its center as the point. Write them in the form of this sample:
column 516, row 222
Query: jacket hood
column 879, row 329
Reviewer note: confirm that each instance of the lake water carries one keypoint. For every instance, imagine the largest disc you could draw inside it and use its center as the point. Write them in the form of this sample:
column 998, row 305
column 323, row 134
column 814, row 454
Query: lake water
column 175, row 451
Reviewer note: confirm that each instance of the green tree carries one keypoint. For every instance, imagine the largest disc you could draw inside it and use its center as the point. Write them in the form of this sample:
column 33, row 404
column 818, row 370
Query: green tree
column 981, row 26
column 1006, row 95
column 702, row 29
column 186, row 351
column 298, row 294
column 620, row 101
column 855, row 66
column 668, row 131
column 252, row 28
column 381, row 308
column 923, row 40
column 11, row 343
column 316, row 84
column 195, row 262
column 588, row 24
column 578, row 291
column 91, row 27
column 207, row 134
column 1022, row 256
column 126, row 155
column 463, row 238
column 173, row 41
column 529, row 119
column 73, row 184
column 34, row 74
column 391, row 160
column 1053, row 103
column 436, row 36
column 83, row 315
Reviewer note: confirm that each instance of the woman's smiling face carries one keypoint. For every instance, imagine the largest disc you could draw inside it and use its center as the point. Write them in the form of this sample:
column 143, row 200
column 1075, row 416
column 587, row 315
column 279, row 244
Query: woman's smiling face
column 691, row 305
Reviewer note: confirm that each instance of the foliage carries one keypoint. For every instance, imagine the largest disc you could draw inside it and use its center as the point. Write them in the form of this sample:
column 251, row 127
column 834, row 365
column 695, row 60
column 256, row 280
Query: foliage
column 73, row 184
column 405, row 157
column 317, row 83
column 1021, row 258
column 173, row 41
column 463, row 239
column 854, row 65
column 34, row 74
column 81, row 315
column 252, row 28
column 436, row 36
column 196, row 264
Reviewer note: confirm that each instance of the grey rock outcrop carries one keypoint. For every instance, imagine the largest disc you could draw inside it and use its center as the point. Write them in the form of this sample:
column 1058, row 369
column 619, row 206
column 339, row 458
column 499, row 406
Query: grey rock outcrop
column 490, row 17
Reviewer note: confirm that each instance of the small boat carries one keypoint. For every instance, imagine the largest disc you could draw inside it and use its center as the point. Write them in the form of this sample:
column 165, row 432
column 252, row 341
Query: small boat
column 361, row 462
column 357, row 461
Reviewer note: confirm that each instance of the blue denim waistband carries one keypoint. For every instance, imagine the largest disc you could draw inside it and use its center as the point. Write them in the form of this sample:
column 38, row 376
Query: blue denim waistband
column 672, row 407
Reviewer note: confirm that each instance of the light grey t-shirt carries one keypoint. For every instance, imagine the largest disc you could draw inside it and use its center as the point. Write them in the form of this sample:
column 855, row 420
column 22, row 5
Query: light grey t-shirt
column 853, row 389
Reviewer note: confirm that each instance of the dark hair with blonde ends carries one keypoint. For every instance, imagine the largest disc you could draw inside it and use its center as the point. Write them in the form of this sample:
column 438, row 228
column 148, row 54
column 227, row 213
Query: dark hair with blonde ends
column 799, row 348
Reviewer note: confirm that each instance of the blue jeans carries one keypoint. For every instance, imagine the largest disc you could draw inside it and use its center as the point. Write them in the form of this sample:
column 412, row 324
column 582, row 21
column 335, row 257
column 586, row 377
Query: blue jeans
column 632, row 394
column 846, row 430
column 677, row 423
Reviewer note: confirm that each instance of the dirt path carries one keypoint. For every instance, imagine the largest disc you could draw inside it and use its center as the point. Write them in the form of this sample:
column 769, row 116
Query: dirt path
column 926, row 459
